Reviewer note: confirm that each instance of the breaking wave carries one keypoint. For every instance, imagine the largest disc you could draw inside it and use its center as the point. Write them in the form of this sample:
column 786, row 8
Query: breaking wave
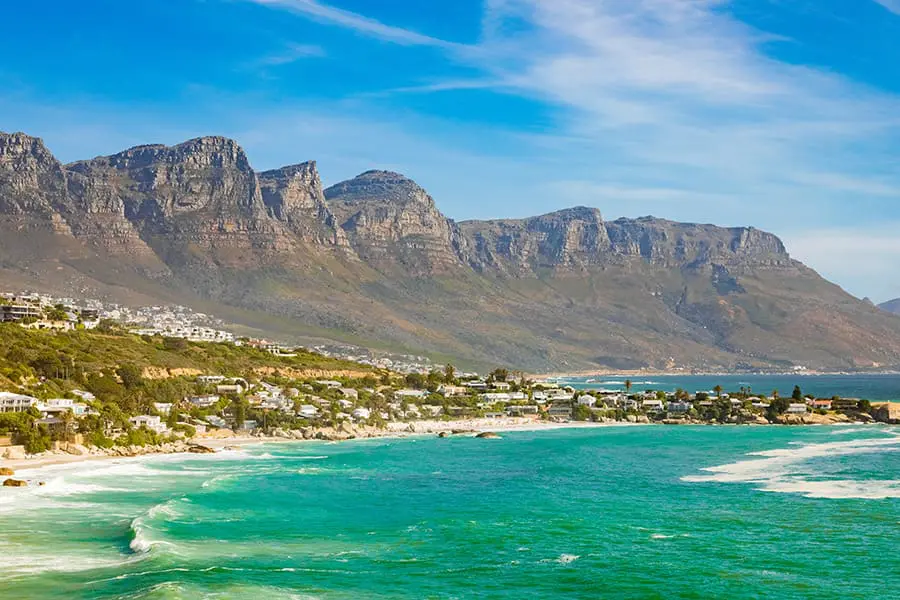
column 783, row 471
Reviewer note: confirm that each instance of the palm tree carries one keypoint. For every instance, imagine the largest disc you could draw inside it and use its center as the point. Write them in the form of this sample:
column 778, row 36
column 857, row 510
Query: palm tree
column 718, row 391
column 628, row 387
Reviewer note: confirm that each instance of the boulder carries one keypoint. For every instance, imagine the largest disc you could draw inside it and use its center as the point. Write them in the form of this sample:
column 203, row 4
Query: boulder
column 76, row 450
column 488, row 435
column 6, row 471
column 198, row 449
column 14, row 453
column 15, row 483
column 442, row 434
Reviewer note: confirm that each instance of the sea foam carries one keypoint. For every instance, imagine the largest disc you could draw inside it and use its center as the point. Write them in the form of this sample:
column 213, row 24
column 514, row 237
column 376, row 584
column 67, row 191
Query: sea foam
column 782, row 471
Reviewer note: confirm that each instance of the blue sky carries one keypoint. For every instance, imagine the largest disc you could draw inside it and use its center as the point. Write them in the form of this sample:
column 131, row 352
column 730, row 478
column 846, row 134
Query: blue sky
column 782, row 114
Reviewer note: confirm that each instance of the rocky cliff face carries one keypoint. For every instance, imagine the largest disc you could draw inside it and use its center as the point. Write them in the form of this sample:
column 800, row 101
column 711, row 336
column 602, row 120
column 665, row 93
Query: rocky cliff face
column 195, row 203
column 392, row 222
column 294, row 196
column 32, row 181
column 375, row 258
column 578, row 238
column 568, row 239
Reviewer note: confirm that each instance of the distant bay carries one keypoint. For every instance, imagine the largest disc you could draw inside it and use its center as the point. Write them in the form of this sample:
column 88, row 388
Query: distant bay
column 874, row 387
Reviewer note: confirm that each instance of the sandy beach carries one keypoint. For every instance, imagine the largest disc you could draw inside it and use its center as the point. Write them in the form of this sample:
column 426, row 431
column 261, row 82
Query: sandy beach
column 394, row 430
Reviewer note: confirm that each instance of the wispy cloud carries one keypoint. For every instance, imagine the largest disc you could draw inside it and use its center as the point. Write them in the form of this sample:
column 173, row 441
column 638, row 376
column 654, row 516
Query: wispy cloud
column 291, row 54
column 891, row 5
column 356, row 22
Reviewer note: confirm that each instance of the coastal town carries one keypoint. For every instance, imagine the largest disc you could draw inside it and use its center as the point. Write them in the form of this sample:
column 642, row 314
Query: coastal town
column 56, row 404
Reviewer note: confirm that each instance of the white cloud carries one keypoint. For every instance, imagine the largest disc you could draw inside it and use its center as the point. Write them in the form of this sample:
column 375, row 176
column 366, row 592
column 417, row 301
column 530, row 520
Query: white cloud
column 291, row 53
column 359, row 23
column 891, row 5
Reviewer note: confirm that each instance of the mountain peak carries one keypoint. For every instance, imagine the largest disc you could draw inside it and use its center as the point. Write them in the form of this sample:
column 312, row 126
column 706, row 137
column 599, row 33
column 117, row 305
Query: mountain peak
column 382, row 187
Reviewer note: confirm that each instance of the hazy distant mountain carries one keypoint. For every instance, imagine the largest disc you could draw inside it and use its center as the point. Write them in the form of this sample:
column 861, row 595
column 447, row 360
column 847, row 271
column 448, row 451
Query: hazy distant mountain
column 373, row 260
column 892, row 306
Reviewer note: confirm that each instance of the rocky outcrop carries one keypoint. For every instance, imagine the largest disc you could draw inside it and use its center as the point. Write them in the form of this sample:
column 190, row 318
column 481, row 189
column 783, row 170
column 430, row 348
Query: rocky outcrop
column 294, row 196
column 32, row 181
column 578, row 238
column 198, row 449
column 14, row 483
column 13, row 452
column 394, row 224
column 886, row 412
column 6, row 472
column 568, row 239
column 813, row 419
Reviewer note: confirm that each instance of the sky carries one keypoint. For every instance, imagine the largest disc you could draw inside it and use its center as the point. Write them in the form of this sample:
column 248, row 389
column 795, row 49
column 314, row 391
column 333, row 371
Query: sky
column 780, row 114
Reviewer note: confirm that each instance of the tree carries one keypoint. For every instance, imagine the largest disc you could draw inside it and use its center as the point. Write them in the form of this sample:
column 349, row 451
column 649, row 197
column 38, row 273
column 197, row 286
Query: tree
column 415, row 380
column 628, row 386
column 239, row 412
column 864, row 406
column 499, row 375
column 775, row 394
column 581, row 413
column 449, row 374
column 131, row 376
column 778, row 406
column 798, row 394
column 718, row 391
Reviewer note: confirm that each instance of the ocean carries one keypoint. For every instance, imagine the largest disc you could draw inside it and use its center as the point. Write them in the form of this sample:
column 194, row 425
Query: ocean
column 877, row 388
column 607, row 512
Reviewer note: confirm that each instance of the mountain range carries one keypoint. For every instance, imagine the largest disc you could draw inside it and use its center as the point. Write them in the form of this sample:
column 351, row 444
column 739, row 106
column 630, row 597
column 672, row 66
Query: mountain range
column 372, row 260
column 892, row 306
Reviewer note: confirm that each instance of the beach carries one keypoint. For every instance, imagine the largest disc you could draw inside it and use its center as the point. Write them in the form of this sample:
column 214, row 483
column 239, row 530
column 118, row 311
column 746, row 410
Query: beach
column 394, row 430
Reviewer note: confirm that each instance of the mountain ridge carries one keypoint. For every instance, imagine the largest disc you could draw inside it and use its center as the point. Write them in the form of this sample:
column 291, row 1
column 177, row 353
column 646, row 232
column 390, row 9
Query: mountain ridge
column 891, row 306
column 374, row 257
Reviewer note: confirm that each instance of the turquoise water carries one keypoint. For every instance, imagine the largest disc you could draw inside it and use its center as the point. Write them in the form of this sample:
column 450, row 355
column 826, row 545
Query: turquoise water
column 613, row 512
column 871, row 387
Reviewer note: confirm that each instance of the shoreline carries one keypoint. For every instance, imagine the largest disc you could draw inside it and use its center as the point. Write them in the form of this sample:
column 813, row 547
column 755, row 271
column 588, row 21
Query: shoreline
column 653, row 373
column 29, row 467
column 412, row 429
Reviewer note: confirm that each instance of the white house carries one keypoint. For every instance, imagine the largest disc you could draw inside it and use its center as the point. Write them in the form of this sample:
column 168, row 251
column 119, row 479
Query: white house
column 163, row 407
column 653, row 405
column 587, row 400
column 361, row 413
column 451, row 391
column 308, row 411
column 10, row 402
column 797, row 408
column 350, row 393
column 411, row 393
column 204, row 401
column 151, row 422
column 495, row 397
column 330, row 383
